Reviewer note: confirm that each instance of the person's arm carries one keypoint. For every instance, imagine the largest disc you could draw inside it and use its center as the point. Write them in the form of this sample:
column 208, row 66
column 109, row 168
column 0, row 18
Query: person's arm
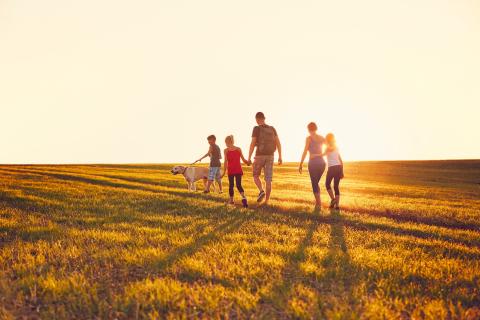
column 341, row 161
column 206, row 155
column 326, row 150
column 304, row 154
column 242, row 157
column 253, row 144
column 225, row 163
column 279, row 148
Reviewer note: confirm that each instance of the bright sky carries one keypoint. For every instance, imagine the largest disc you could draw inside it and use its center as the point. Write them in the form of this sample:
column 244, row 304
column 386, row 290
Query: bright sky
column 146, row 81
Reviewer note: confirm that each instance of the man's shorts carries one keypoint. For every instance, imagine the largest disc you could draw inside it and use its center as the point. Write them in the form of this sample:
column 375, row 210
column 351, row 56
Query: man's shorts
column 214, row 173
column 264, row 163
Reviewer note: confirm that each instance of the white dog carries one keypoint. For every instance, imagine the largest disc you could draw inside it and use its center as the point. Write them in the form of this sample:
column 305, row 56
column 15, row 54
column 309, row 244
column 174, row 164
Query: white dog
column 193, row 174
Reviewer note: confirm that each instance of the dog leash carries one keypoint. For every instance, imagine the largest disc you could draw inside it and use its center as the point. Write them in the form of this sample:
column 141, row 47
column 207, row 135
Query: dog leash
column 191, row 164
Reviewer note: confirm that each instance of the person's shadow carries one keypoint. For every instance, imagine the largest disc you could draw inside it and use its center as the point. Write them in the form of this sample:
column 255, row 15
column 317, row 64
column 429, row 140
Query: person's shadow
column 337, row 235
column 339, row 272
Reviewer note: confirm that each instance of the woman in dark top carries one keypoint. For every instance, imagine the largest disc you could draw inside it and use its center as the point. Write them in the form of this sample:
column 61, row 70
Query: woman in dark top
column 314, row 145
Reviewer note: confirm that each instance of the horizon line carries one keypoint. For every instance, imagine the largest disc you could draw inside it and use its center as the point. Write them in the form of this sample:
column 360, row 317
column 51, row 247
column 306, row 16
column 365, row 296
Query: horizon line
column 206, row 163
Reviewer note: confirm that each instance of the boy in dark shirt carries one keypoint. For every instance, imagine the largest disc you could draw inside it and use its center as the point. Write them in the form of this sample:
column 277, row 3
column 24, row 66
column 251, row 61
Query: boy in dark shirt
column 215, row 164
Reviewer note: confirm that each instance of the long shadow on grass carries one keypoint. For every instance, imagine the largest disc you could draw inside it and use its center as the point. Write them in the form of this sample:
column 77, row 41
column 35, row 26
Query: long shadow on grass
column 373, row 226
column 339, row 276
column 402, row 216
column 361, row 225
column 86, row 178
column 279, row 294
column 77, row 178
column 28, row 234
column 353, row 223
column 302, row 214
column 162, row 204
column 89, row 177
column 159, row 267
column 189, row 249
column 15, row 201
column 148, row 213
column 169, row 204
column 406, row 216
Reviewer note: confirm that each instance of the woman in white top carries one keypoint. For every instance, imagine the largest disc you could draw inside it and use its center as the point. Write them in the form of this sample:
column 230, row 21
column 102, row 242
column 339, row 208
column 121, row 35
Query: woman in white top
column 335, row 171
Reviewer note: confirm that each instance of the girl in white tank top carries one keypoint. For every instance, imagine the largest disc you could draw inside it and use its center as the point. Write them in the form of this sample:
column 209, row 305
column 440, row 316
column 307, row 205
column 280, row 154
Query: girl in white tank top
column 333, row 158
column 335, row 171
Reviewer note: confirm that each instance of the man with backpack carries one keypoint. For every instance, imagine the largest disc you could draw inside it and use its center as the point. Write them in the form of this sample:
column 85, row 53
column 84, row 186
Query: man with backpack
column 265, row 139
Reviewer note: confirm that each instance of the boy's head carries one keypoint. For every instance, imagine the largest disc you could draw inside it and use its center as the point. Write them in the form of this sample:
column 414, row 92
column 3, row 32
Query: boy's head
column 211, row 139
column 260, row 117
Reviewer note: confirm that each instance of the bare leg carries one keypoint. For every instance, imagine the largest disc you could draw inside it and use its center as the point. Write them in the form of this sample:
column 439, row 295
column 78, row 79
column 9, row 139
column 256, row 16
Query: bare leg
column 258, row 183
column 268, row 190
column 207, row 188
column 337, row 200
column 220, row 190
column 330, row 193
column 318, row 201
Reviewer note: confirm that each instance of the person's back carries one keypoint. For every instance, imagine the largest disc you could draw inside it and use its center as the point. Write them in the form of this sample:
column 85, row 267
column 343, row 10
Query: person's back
column 215, row 156
column 316, row 146
column 233, row 160
column 233, row 167
column 316, row 165
column 266, row 145
column 333, row 157
column 265, row 140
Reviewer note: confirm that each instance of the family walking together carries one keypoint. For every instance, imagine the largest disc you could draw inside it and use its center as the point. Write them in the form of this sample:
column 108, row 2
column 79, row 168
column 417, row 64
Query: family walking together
column 265, row 142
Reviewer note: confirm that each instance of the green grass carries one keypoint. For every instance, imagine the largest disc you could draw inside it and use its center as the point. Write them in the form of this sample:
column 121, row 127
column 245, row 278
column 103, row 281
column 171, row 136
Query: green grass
column 128, row 242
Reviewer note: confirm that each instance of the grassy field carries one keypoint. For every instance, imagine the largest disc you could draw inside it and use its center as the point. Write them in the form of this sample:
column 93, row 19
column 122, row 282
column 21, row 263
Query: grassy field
column 128, row 242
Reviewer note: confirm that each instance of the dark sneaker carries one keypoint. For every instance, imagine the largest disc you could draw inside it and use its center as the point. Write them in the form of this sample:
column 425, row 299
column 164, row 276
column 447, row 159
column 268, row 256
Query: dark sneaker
column 332, row 204
column 206, row 191
column 244, row 202
column 261, row 196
